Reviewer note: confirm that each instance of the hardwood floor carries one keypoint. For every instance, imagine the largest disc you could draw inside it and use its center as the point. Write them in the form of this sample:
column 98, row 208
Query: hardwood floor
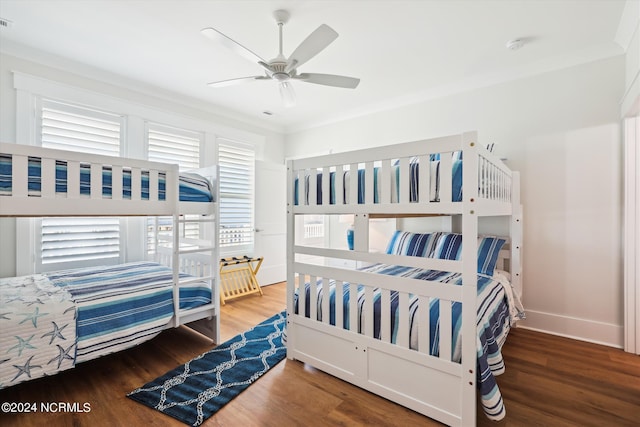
column 549, row 381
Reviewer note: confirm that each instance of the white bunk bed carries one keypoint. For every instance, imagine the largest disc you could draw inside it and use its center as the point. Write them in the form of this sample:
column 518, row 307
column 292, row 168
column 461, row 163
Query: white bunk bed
column 179, row 287
column 392, row 357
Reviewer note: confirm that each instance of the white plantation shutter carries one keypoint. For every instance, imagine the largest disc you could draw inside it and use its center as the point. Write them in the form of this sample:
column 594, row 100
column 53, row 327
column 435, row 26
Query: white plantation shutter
column 178, row 146
column 71, row 242
column 68, row 127
column 170, row 145
column 237, row 164
column 79, row 239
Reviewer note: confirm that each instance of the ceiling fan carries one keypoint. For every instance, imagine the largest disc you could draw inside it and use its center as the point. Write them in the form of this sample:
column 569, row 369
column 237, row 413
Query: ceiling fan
column 285, row 70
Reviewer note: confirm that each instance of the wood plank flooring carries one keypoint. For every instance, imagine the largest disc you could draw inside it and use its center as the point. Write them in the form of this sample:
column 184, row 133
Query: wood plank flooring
column 549, row 381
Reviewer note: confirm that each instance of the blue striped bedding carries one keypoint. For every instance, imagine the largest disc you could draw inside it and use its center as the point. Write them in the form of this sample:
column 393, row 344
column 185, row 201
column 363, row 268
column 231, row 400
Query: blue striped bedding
column 414, row 170
column 77, row 315
column 493, row 322
column 119, row 306
column 193, row 188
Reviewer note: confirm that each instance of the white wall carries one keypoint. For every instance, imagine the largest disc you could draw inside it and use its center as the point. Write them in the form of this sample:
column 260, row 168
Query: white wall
column 270, row 148
column 629, row 36
column 561, row 130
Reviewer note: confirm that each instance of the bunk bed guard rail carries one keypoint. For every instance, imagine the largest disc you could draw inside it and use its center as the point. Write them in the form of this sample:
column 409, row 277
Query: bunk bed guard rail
column 36, row 177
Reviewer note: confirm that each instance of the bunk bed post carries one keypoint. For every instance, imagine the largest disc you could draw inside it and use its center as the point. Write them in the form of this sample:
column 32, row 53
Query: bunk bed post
column 291, row 239
column 361, row 232
column 173, row 197
column 215, row 271
column 469, row 279
column 199, row 257
column 516, row 232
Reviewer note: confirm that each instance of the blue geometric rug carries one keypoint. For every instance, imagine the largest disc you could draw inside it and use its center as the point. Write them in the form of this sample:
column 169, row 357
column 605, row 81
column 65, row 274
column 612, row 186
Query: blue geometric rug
column 196, row 390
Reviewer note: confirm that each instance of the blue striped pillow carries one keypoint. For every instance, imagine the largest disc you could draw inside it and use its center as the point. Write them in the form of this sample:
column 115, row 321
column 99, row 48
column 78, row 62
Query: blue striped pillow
column 449, row 246
column 413, row 244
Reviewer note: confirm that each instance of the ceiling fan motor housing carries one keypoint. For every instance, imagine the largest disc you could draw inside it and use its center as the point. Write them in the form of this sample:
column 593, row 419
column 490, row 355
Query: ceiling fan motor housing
column 278, row 71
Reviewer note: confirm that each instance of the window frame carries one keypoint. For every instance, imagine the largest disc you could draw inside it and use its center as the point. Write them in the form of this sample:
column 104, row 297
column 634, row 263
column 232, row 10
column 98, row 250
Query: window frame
column 194, row 230
column 93, row 113
column 245, row 247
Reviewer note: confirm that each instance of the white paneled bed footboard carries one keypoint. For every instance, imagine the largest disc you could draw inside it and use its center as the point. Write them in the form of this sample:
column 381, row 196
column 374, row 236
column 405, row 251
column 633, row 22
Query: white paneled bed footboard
column 423, row 323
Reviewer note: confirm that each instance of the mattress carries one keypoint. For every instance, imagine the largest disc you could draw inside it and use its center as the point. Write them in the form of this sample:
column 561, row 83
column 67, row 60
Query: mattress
column 493, row 321
column 82, row 314
column 193, row 187
column 341, row 192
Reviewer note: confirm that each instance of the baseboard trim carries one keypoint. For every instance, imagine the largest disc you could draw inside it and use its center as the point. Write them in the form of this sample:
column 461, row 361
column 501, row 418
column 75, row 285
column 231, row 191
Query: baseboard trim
column 575, row 328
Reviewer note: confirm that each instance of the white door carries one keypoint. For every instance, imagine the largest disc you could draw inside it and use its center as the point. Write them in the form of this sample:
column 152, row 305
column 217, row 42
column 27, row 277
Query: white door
column 632, row 235
column 271, row 221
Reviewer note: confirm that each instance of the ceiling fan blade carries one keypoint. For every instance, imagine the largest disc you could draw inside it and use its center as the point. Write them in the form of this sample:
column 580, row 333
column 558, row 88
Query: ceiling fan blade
column 329, row 80
column 231, row 82
column 287, row 94
column 311, row 46
column 217, row 36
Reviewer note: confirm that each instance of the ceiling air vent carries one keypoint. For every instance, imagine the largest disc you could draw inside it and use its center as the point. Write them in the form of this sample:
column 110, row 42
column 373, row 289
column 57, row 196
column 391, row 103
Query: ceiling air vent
column 5, row 23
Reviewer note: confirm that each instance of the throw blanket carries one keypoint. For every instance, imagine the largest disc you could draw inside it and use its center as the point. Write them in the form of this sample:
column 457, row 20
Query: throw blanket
column 37, row 329
column 493, row 322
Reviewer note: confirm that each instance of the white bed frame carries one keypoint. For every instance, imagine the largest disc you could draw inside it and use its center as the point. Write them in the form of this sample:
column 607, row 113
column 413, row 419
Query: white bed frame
column 434, row 386
column 197, row 257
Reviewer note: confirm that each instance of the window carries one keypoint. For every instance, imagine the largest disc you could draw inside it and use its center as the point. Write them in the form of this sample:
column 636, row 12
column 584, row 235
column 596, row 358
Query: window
column 72, row 242
column 172, row 145
column 237, row 165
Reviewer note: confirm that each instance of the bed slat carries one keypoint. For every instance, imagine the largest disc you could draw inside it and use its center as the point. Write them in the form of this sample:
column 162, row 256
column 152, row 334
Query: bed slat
column 353, row 307
column 339, row 306
column 136, row 184
column 302, row 303
column 325, row 300
column 445, row 329
column 369, row 179
column 403, row 181
column 153, row 185
column 445, row 177
column 384, row 182
column 116, row 182
column 313, row 187
column 48, row 185
column 96, row 181
column 424, row 325
column 19, row 167
column 367, row 310
column 339, row 185
column 385, row 315
column 313, row 297
column 326, row 179
column 424, row 178
column 353, row 184
column 402, row 338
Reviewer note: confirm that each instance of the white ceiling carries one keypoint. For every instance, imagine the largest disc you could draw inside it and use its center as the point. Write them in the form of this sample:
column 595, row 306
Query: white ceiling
column 403, row 51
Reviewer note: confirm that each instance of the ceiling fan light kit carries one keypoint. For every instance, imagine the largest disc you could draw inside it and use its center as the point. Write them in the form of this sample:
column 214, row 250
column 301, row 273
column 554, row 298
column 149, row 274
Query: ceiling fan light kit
column 282, row 69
